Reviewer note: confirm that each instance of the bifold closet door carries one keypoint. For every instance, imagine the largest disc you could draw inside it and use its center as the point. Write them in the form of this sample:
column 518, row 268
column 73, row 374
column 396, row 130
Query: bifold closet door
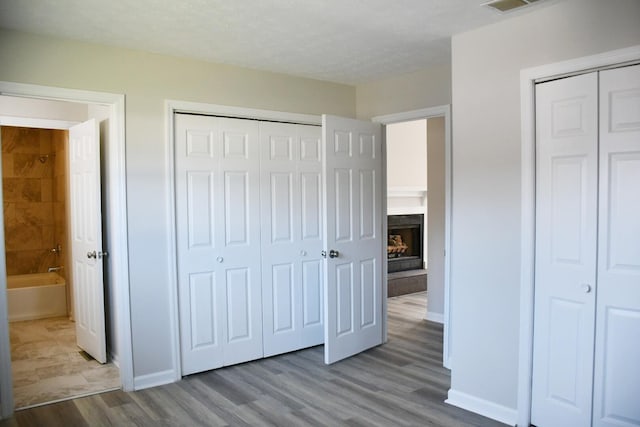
column 586, row 368
column 291, row 203
column 565, row 256
column 616, row 398
column 217, row 163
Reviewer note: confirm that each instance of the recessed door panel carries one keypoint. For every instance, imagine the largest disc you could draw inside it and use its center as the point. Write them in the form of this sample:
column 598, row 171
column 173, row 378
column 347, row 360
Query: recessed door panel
column 201, row 220
column 618, row 403
column 568, row 199
column 202, row 300
column 623, row 211
column 236, row 204
column 282, row 213
column 283, row 298
column 564, row 351
column 367, row 204
column 312, row 293
column 239, row 303
column 368, row 295
column 344, row 299
column 311, row 194
column 343, row 203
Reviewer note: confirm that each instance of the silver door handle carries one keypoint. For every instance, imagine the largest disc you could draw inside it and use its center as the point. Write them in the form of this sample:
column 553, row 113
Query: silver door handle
column 334, row 254
column 586, row 288
column 97, row 255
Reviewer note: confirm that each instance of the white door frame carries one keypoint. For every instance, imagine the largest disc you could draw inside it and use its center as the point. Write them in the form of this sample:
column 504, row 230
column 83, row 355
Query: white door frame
column 528, row 78
column 428, row 113
column 171, row 108
column 118, row 252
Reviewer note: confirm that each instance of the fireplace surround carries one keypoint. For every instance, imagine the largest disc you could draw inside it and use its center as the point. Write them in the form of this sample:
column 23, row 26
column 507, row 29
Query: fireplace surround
column 405, row 241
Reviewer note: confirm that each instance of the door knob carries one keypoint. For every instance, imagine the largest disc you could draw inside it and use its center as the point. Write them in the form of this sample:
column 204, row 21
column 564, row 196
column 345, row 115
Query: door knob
column 103, row 254
column 334, row 254
column 303, row 253
column 93, row 255
column 586, row 288
column 220, row 259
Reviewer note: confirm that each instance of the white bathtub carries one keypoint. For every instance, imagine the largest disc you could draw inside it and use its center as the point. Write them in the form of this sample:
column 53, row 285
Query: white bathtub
column 36, row 296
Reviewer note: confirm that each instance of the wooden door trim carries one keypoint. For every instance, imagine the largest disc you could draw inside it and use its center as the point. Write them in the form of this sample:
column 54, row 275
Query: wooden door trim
column 528, row 79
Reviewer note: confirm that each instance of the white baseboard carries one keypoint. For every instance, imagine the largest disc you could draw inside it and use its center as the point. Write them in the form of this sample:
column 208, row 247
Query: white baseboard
column 113, row 357
column 483, row 407
column 435, row 317
column 155, row 379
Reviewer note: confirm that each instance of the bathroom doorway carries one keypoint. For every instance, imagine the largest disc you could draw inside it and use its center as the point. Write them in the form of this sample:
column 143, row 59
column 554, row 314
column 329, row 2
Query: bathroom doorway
column 46, row 363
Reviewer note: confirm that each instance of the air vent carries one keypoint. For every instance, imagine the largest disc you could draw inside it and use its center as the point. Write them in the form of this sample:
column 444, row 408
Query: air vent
column 508, row 5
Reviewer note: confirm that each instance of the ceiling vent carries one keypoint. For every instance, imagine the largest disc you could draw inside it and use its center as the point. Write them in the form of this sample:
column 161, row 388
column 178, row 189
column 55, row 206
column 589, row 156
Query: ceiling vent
column 508, row 5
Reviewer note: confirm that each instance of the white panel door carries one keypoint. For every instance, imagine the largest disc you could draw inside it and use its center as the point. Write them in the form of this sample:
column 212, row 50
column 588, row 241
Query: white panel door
column 616, row 400
column 218, row 241
column 352, row 168
column 86, row 238
column 565, row 268
column 291, row 193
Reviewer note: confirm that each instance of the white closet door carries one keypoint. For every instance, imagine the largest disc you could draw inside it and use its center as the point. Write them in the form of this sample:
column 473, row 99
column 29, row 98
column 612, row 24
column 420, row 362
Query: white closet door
column 353, row 236
column 565, row 269
column 616, row 400
column 291, row 236
column 218, row 241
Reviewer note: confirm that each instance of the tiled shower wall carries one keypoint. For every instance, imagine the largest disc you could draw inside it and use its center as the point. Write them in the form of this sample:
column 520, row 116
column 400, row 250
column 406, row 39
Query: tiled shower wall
column 34, row 189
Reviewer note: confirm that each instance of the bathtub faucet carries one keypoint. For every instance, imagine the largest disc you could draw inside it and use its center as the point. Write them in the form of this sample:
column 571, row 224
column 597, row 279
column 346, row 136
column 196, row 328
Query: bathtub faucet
column 52, row 269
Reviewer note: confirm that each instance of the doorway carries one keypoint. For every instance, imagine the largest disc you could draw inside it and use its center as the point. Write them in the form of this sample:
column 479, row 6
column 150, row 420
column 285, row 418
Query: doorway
column 115, row 209
column 412, row 198
column 47, row 363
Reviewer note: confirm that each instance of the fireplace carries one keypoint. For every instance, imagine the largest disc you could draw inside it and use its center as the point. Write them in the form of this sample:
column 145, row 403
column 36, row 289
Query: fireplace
column 405, row 240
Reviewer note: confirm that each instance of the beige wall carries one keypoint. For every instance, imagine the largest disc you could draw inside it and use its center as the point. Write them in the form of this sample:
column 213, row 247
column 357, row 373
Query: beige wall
column 429, row 87
column 407, row 154
column 147, row 80
column 486, row 65
column 435, row 216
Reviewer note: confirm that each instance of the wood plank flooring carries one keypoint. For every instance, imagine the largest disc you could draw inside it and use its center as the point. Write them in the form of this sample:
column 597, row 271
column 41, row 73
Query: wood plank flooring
column 401, row 383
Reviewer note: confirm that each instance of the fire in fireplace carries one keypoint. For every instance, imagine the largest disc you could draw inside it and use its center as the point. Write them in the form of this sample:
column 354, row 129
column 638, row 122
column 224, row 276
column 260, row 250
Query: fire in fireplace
column 405, row 239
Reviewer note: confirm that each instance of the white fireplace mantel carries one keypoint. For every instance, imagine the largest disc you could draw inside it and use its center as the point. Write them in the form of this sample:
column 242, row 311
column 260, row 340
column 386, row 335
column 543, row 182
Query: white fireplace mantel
column 406, row 200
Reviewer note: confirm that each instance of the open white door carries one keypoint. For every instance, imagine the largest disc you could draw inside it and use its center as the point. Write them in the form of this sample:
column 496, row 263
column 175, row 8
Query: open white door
column 352, row 166
column 86, row 238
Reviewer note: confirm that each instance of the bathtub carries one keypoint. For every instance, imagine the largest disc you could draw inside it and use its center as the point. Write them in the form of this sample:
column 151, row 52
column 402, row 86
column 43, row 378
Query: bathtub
column 36, row 296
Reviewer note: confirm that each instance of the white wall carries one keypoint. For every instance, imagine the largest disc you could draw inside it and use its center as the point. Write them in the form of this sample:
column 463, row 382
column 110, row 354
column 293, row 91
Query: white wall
column 435, row 219
column 147, row 80
column 42, row 109
column 429, row 87
column 407, row 154
column 486, row 66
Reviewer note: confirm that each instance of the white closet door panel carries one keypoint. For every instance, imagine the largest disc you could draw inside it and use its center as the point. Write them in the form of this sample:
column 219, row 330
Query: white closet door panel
column 617, row 367
column 291, row 239
column 218, row 235
column 566, row 221
column 353, row 188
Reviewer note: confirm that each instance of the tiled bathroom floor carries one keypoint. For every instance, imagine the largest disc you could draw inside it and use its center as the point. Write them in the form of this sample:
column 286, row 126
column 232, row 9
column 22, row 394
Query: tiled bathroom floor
column 47, row 365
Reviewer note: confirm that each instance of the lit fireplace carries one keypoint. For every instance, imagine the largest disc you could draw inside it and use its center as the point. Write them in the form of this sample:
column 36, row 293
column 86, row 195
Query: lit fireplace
column 405, row 239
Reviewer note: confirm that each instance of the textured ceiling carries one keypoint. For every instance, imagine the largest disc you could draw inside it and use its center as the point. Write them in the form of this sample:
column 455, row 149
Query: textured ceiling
column 348, row 41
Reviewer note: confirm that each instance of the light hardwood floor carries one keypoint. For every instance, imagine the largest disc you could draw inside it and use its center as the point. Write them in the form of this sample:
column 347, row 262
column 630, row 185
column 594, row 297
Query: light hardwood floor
column 401, row 383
